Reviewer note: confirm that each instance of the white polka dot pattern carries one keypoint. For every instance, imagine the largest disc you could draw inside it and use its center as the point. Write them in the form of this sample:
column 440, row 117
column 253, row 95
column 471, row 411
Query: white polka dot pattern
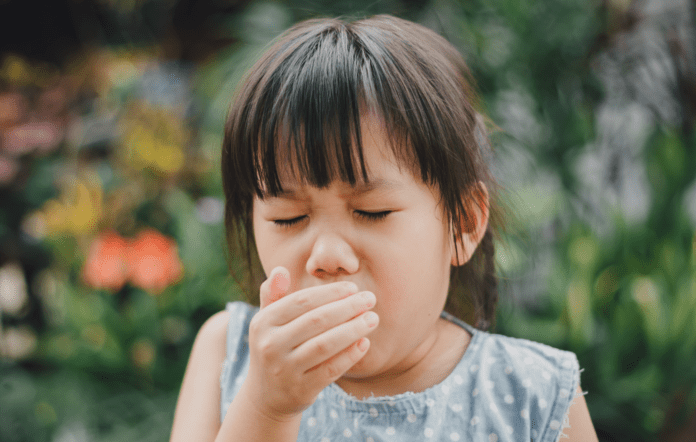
column 502, row 390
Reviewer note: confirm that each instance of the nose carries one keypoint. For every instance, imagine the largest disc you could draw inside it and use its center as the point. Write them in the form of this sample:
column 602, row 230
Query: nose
column 332, row 256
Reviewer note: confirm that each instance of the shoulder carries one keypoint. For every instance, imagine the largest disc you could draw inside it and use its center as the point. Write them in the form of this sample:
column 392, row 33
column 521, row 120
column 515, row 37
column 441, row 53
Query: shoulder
column 213, row 340
column 529, row 380
column 215, row 328
column 210, row 341
column 197, row 409
column 546, row 367
column 524, row 353
column 538, row 368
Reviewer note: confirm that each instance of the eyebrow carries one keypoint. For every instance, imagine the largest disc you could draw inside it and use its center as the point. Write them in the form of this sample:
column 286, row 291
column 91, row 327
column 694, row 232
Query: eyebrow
column 359, row 189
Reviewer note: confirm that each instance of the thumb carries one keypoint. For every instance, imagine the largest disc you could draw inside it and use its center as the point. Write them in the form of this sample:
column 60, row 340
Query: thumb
column 275, row 287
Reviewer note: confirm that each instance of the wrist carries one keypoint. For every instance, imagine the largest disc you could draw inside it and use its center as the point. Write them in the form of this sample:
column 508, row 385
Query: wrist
column 254, row 403
column 246, row 420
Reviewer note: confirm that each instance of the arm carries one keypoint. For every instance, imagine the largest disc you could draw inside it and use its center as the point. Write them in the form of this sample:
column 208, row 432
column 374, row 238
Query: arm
column 198, row 407
column 581, row 428
column 298, row 344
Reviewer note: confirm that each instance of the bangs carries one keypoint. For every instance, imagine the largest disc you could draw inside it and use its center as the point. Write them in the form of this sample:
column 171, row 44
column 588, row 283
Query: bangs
column 298, row 114
column 309, row 114
column 301, row 107
column 305, row 119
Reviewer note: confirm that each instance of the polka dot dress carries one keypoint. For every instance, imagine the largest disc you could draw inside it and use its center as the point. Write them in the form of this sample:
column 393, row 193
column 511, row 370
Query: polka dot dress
column 503, row 389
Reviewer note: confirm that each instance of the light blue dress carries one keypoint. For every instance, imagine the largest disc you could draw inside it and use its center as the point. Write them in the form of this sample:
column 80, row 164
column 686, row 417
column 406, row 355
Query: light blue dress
column 503, row 389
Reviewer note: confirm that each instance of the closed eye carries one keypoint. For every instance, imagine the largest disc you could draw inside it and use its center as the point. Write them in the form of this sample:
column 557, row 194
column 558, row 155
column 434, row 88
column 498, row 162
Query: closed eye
column 369, row 216
column 373, row 216
column 288, row 222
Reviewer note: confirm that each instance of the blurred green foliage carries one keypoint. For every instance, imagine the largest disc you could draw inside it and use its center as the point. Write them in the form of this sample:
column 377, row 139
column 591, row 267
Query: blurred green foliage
column 599, row 256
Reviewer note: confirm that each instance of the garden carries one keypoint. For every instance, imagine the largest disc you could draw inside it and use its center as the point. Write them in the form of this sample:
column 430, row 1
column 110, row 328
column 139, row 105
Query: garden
column 112, row 241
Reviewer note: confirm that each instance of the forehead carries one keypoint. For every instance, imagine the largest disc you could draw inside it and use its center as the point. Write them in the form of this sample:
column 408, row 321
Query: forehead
column 377, row 160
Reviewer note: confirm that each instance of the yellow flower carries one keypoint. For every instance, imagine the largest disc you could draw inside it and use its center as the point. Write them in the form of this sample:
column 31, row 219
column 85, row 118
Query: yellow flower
column 77, row 210
column 154, row 139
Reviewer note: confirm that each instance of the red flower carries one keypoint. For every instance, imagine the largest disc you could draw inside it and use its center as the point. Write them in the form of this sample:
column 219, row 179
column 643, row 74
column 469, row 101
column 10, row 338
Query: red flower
column 44, row 136
column 106, row 266
column 153, row 261
column 150, row 261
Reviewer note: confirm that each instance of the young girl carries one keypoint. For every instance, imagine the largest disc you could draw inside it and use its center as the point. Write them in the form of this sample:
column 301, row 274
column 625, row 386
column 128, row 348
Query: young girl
column 353, row 164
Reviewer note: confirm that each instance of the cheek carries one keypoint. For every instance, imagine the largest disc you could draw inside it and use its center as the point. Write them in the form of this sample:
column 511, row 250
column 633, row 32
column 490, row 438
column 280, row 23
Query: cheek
column 424, row 246
column 267, row 247
column 407, row 272
column 416, row 265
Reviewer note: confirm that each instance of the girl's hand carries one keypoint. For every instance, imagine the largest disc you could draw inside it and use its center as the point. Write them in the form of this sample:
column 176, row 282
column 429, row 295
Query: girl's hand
column 301, row 342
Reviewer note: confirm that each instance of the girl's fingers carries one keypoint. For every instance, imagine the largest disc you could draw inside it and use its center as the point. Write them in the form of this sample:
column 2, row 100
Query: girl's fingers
column 275, row 287
column 326, row 317
column 302, row 301
column 328, row 344
column 336, row 366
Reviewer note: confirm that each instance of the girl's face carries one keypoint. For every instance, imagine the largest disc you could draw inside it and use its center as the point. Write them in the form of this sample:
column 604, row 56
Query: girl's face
column 389, row 237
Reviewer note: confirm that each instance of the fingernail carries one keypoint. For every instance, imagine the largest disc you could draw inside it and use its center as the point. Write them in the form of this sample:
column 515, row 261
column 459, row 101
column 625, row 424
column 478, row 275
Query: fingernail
column 371, row 318
column 280, row 282
column 363, row 344
column 369, row 298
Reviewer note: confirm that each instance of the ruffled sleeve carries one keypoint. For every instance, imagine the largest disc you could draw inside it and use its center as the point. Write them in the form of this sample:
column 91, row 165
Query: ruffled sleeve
column 540, row 380
column 236, row 365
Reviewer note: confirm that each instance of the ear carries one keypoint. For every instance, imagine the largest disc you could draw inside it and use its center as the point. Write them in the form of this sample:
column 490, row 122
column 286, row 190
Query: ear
column 473, row 225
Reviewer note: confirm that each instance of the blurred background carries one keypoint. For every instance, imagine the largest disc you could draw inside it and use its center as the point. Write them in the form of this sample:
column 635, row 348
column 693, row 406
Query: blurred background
column 111, row 234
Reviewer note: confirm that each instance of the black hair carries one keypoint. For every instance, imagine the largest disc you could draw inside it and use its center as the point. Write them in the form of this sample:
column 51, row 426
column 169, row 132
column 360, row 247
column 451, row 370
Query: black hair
column 301, row 104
